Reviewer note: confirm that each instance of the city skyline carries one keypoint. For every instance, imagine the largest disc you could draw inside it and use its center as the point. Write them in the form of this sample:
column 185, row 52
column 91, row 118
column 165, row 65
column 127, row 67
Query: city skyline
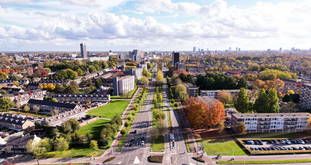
column 35, row 25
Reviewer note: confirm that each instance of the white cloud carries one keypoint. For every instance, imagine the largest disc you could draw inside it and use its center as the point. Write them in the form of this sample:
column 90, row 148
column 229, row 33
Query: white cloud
column 215, row 25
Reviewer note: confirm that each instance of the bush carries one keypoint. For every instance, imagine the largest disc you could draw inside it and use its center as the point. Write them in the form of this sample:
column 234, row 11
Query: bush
column 198, row 159
column 155, row 158
column 123, row 131
column 129, row 117
column 126, row 124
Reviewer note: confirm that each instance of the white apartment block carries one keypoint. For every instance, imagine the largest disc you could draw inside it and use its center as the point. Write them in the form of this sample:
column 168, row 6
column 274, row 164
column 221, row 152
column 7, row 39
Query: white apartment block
column 123, row 85
column 214, row 93
column 272, row 122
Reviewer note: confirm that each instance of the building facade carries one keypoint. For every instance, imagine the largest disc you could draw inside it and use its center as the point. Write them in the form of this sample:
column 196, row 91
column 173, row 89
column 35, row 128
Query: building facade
column 51, row 108
column 87, row 98
column 123, row 85
column 192, row 89
column 16, row 122
column 175, row 58
column 214, row 93
column 83, row 50
column 305, row 96
column 271, row 122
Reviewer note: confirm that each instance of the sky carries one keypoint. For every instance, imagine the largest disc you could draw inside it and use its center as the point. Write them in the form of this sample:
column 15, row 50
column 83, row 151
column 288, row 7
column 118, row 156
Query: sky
column 123, row 25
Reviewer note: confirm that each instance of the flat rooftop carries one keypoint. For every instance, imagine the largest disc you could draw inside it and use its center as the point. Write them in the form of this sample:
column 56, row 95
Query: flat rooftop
column 270, row 115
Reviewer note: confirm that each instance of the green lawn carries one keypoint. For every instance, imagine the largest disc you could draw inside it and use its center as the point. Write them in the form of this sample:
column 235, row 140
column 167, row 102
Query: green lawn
column 115, row 107
column 157, row 144
column 222, row 146
column 72, row 153
column 93, row 128
column 266, row 161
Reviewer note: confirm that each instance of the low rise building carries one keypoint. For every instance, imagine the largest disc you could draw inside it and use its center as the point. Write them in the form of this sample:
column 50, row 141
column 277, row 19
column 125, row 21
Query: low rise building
column 123, row 85
column 192, row 89
column 87, row 98
column 271, row 122
column 16, row 122
column 214, row 93
column 45, row 107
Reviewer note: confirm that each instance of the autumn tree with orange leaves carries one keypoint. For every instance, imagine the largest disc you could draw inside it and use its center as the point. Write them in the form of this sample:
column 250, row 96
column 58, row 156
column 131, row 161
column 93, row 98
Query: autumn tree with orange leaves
column 204, row 113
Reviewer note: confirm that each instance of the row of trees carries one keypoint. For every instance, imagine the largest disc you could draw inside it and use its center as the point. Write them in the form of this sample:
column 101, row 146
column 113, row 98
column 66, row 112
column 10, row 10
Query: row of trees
column 267, row 101
column 271, row 74
column 214, row 81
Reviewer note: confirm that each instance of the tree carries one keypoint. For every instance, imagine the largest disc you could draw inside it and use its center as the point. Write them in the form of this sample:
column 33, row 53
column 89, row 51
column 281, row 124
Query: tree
column 36, row 108
column 204, row 113
column 261, row 103
column 72, row 88
column 60, row 144
column 182, row 92
column 242, row 104
column 225, row 97
column 26, row 108
column 3, row 76
column 273, row 101
column 146, row 73
column 70, row 126
column 242, row 83
column 144, row 81
column 93, row 145
column 159, row 77
column 5, row 104
column 240, row 128
column 39, row 147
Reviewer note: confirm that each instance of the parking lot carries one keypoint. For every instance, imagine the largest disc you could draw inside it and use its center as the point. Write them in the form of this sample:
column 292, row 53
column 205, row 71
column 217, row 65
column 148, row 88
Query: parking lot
column 274, row 146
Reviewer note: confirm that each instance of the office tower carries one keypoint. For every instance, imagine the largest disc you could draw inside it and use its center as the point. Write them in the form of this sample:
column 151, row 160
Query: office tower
column 175, row 58
column 83, row 50
column 137, row 55
column 194, row 49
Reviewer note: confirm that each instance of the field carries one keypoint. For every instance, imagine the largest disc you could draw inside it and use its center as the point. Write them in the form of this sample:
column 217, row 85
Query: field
column 93, row 128
column 267, row 161
column 115, row 107
column 72, row 153
column 222, row 146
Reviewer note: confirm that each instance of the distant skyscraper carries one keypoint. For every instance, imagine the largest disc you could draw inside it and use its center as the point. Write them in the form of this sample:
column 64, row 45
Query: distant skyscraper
column 83, row 50
column 175, row 58
column 137, row 55
column 194, row 49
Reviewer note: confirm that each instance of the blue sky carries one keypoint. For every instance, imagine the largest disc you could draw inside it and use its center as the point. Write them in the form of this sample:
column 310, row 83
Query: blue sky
column 27, row 25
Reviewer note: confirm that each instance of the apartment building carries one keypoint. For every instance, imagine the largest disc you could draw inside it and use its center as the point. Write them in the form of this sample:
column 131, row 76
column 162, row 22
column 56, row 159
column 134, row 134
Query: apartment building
column 16, row 122
column 192, row 89
column 305, row 96
column 86, row 98
column 271, row 122
column 123, row 85
column 51, row 108
column 214, row 93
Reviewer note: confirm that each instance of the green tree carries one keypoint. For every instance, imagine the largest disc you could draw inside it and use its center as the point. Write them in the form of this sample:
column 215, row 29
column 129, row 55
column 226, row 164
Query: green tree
column 60, row 144
column 144, row 81
column 242, row 104
column 72, row 88
column 182, row 92
column 262, row 101
column 159, row 77
column 5, row 104
column 3, row 76
column 146, row 73
column 242, row 83
column 273, row 102
column 94, row 145
column 70, row 126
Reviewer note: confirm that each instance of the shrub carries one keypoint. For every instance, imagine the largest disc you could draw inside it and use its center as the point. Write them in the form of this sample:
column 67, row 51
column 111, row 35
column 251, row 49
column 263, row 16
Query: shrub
column 155, row 158
column 123, row 131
